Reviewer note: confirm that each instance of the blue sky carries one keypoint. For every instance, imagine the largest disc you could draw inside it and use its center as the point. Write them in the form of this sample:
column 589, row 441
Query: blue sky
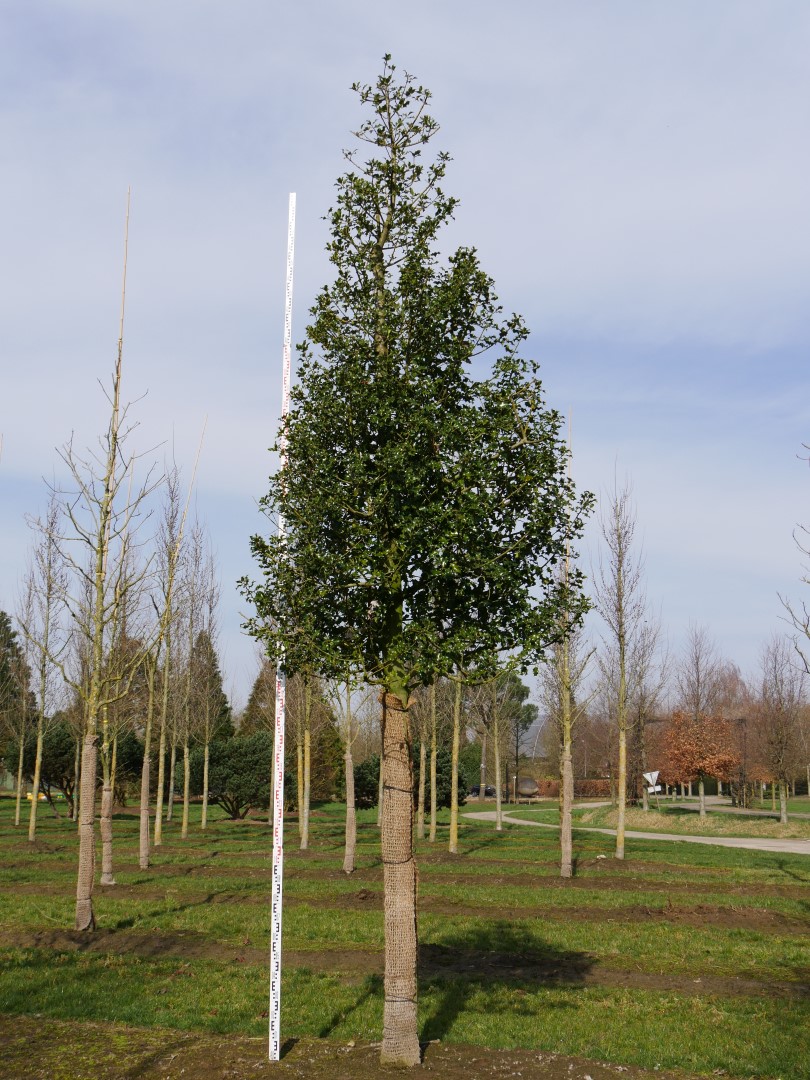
column 634, row 175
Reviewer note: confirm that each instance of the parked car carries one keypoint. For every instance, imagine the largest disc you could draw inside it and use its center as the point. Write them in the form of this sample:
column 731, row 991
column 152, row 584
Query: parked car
column 489, row 791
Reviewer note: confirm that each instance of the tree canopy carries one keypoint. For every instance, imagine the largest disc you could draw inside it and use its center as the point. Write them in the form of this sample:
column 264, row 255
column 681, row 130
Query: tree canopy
column 425, row 508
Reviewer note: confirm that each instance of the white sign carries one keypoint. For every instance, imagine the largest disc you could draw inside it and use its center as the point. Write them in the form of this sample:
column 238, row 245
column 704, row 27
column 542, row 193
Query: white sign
column 651, row 778
column 653, row 789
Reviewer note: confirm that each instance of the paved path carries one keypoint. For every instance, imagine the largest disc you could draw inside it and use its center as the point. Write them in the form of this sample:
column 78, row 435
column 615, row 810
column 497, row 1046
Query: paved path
column 792, row 847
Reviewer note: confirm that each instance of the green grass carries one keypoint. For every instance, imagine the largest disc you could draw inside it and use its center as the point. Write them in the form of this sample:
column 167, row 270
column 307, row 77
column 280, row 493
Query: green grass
column 496, row 921
column 675, row 819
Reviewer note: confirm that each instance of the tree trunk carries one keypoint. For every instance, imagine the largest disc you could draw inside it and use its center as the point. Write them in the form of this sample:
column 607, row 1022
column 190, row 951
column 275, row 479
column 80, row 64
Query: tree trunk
column 85, row 920
column 453, row 846
column 307, row 767
column 186, row 789
column 420, row 805
column 773, row 796
column 32, row 820
column 400, row 1045
column 482, row 790
column 621, row 791
column 783, row 806
column 496, row 737
column 566, row 839
column 172, row 768
column 204, row 811
column 18, row 808
column 161, row 781
column 299, row 760
column 702, row 797
column 351, row 814
column 77, row 775
column 432, row 832
column 143, row 810
column 105, row 826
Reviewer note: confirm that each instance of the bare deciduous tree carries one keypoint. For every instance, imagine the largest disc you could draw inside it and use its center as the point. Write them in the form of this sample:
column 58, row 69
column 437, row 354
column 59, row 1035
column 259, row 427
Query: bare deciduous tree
column 622, row 604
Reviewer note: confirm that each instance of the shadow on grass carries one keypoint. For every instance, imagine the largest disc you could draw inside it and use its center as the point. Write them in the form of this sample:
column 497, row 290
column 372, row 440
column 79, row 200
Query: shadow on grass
column 489, row 959
column 372, row 987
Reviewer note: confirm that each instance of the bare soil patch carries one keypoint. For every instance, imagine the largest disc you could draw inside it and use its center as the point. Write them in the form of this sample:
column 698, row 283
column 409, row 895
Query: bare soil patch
column 36, row 1048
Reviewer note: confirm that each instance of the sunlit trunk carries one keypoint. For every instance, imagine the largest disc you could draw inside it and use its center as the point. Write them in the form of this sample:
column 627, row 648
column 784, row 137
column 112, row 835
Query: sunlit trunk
column 143, row 810
column 32, row 820
column 420, row 805
column 783, row 806
column 204, row 811
column 172, row 768
column 400, row 1045
column 307, row 765
column 566, row 839
column 186, row 788
column 18, row 807
column 453, row 846
column 351, row 814
column 702, row 797
column 496, row 736
column 85, row 919
column 433, row 752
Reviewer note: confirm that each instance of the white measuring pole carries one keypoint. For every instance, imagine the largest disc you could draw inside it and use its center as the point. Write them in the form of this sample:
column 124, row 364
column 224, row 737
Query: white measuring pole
column 281, row 689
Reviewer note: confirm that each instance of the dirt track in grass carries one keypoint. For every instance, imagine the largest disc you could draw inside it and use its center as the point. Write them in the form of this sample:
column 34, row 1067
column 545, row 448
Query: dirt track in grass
column 435, row 961
column 34, row 1048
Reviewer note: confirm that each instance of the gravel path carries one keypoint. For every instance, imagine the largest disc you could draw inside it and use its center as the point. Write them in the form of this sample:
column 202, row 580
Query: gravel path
column 792, row 847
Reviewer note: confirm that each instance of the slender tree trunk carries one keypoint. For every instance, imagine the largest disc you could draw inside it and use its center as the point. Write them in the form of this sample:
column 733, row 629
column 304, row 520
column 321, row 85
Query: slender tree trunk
column 433, row 752
column 105, row 825
column 702, row 797
column 567, row 768
column 172, row 768
column 77, row 778
column 351, row 813
column 482, row 790
column 496, row 740
column 307, row 764
column 773, row 796
column 204, row 811
column 18, row 807
column 85, row 919
column 783, row 806
column 299, row 759
column 143, row 810
column 566, row 838
column 186, row 788
column 400, row 1045
column 164, row 720
column 621, row 791
column 32, row 820
column 420, row 806
column 453, row 846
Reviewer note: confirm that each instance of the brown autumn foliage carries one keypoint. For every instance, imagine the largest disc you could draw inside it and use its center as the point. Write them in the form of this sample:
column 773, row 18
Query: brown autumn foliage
column 696, row 746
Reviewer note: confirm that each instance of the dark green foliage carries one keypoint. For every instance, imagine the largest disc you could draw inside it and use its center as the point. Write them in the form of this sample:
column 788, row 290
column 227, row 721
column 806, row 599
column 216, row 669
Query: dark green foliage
column 259, row 713
column 128, row 765
column 212, row 701
column 469, row 764
column 425, row 508
column 367, row 782
column 58, row 762
column 15, row 677
column 238, row 772
column 444, row 772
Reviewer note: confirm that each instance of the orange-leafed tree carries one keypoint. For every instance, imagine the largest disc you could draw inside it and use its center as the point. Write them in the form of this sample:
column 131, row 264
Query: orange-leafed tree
column 696, row 747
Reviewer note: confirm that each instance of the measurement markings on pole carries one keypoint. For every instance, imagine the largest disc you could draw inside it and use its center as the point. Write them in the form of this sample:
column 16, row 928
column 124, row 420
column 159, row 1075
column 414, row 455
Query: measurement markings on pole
column 276, row 901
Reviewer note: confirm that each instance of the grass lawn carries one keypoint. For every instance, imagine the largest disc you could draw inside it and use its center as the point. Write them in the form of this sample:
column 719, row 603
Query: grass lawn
column 674, row 819
column 682, row 957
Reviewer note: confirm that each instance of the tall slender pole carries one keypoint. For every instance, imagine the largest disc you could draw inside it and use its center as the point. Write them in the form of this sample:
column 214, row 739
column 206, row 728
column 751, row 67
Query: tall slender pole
column 281, row 689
